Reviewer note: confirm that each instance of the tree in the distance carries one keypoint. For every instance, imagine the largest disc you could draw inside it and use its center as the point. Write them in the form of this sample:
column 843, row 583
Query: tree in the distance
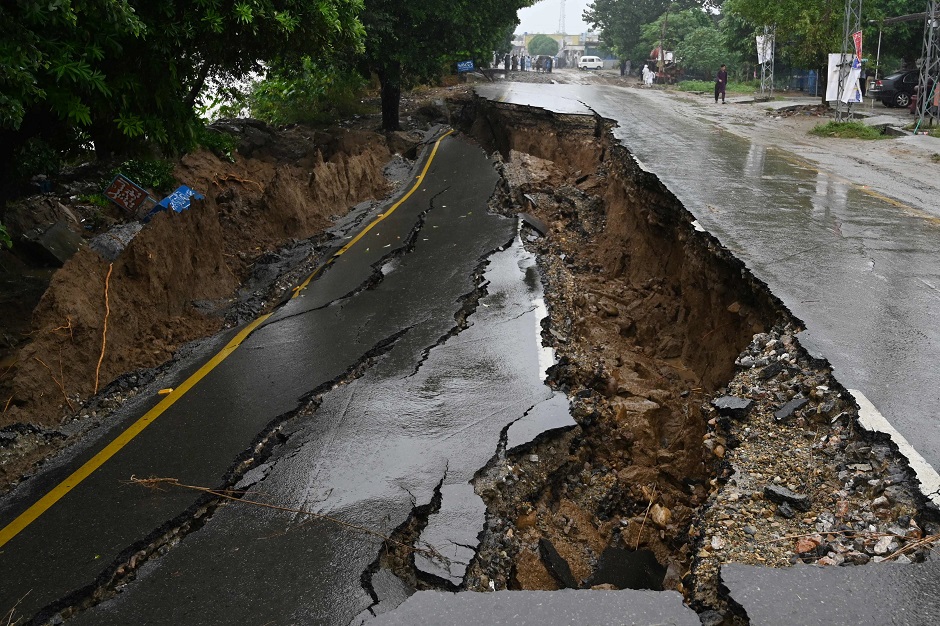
column 543, row 44
column 409, row 42
column 702, row 50
column 620, row 21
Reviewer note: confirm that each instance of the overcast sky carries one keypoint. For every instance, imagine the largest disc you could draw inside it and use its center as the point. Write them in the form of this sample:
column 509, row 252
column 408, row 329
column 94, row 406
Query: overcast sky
column 542, row 17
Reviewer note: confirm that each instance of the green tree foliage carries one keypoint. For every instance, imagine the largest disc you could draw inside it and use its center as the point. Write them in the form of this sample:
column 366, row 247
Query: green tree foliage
column 121, row 72
column 810, row 29
column 901, row 43
column 316, row 93
column 543, row 44
column 702, row 51
column 678, row 26
column 409, row 42
column 620, row 21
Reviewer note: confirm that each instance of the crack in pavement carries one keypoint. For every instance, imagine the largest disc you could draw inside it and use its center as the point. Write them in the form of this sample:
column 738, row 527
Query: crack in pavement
column 123, row 570
column 407, row 246
column 470, row 303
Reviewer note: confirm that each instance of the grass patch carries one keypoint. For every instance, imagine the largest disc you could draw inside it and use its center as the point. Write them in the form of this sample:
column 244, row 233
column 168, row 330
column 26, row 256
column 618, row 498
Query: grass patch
column 847, row 130
column 709, row 86
column 96, row 199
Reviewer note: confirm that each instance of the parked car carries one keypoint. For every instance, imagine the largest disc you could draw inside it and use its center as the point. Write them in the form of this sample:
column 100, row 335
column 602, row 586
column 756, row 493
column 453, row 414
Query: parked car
column 590, row 63
column 895, row 90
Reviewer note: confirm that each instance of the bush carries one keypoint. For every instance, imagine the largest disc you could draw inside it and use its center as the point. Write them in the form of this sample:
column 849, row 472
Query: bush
column 847, row 130
column 317, row 94
column 36, row 157
column 221, row 144
column 156, row 174
column 5, row 241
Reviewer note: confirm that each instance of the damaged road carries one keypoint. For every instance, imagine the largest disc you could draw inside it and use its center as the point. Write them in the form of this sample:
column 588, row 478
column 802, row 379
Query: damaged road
column 402, row 424
column 386, row 299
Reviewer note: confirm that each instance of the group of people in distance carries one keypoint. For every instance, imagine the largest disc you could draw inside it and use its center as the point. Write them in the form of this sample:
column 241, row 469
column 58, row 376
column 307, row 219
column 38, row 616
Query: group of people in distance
column 527, row 64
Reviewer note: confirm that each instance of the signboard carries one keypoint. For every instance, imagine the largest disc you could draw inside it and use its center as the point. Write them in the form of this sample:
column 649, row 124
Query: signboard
column 180, row 199
column 857, row 39
column 850, row 69
column 765, row 48
column 465, row 66
column 125, row 193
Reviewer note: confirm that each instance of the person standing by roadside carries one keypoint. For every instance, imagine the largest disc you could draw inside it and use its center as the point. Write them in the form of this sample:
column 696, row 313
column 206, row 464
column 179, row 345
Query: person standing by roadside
column 721, row 83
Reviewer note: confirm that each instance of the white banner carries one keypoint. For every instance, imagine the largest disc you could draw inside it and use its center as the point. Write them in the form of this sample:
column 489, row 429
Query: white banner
column 765, row 48
column 851, row 69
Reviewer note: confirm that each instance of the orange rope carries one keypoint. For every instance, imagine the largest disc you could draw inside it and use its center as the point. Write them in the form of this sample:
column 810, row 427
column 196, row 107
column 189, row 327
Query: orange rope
column 104, row 331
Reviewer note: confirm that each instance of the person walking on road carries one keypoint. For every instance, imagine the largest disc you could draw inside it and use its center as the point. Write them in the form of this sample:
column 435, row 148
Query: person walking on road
column 721, row 82
column 647, row 76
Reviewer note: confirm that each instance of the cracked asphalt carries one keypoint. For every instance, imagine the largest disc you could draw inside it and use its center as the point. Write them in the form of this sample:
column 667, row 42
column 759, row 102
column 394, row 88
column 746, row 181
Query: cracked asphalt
column 357, row 400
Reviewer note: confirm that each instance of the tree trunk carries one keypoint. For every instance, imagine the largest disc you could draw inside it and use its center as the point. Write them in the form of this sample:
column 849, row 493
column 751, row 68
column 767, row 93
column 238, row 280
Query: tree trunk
column 197, row 86
column 390, row 79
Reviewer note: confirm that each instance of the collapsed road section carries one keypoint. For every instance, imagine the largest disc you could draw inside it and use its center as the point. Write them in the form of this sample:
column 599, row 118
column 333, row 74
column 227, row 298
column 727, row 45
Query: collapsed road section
column 706, row 434
column 604, row 398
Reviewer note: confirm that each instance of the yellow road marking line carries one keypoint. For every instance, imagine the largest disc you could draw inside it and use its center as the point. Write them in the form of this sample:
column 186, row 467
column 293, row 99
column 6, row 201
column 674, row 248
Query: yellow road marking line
column 58, row 492
column 418, row 181
column 914, row 211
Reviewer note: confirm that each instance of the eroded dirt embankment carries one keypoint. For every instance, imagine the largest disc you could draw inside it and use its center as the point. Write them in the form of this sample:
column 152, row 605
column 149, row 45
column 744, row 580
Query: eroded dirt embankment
column 177, row 279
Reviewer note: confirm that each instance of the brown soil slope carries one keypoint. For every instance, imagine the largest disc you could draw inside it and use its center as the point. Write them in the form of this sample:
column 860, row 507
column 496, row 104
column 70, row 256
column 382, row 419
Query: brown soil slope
column 289, row 188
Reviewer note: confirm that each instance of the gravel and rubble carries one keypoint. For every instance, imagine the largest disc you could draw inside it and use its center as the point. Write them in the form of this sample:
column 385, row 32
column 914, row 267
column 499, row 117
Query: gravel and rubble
column 806, row 485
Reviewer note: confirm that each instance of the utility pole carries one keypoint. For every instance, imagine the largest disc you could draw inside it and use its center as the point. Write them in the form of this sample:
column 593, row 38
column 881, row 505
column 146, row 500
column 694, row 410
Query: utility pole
column 930, row 69
column 767, row 61
column 561, row 19
column 852, row 25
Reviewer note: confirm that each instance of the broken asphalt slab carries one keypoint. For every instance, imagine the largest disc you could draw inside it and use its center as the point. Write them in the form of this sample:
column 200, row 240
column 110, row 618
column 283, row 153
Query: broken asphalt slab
column 102, row 521
column 537, row 608
column 866, row 595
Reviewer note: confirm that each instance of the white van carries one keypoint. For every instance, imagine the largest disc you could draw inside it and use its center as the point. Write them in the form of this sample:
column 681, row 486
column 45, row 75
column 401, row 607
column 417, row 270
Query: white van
column 590, row 63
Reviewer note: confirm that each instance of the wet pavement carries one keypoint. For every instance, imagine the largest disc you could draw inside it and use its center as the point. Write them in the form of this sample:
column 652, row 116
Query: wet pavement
column 410, row 408
column 525, row 608
column 419, row 421
column 861, row 271
column 889, row 593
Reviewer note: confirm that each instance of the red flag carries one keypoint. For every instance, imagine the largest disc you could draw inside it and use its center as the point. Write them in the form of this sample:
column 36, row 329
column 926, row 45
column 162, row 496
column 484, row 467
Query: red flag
column 857, row 38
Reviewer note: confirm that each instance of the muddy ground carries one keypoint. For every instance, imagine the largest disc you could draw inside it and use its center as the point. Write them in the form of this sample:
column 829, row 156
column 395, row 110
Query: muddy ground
column 654, row 324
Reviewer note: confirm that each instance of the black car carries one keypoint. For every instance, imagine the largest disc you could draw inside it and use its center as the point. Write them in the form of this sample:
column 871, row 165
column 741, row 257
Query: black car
column 895, row 90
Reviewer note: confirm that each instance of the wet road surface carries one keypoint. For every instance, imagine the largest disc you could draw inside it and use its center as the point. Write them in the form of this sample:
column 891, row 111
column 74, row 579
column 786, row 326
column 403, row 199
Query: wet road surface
column 862, row 272
column 888, row 593
column 409, row 407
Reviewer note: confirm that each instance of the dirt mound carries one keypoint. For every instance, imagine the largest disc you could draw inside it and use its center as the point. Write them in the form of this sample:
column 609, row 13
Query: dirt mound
column 289, row 186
